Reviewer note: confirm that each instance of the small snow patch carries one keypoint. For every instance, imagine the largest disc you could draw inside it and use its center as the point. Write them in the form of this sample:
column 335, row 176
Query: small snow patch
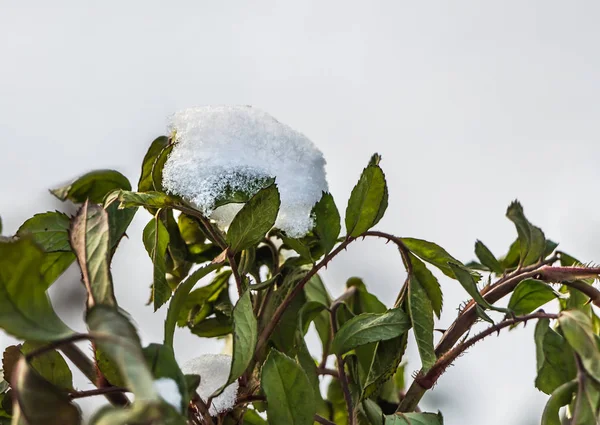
column 220, row 148
column 214, row 371
column 169, row 391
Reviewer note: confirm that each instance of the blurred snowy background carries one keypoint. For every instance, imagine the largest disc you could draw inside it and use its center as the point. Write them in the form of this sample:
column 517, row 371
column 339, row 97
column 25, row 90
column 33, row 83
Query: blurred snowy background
column 471, row 104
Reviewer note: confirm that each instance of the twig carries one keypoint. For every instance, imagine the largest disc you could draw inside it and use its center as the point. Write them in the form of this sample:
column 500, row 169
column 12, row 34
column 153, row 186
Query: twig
column 429, row 379
column 272, row 324
column 97, row 391
column 340, row 360
column 325, row 371
column 322, row 420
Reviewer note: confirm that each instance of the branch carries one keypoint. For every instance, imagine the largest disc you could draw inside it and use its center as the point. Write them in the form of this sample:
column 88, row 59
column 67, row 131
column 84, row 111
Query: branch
column 325, row 371
column 272, row 324
column 322, row 420
column 340, row 360
column 429, row 379
column 97, row 391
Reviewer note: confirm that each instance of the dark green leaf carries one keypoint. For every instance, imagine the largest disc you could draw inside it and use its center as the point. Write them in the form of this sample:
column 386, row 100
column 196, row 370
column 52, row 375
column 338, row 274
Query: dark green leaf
column 49, row 230
column 289, row 394
column 372, row 412
column 327, row 222
column 110, row 369
column 162, row 363
column 469, row 284
column 90, row 242
column 511, row 259
column 370, row 327
column 335, row 396
column 316, row 292
column 199, row 304
column 578, row 331
column 368, row 201
column 555, row 360
column 179, row 298
column 117, row 337
column 212, row 327
column 152, row 166
column 529, row 295
column 119, row 220
column 432, row 253
column 415, row 419
column 25, row 309
column 429, row 283
column 51, row 366
column 560, row 397
column 487, row 258
column 93, row 186
column 245, row 335
column 237, row 196
column 156, row 241
column 40, row 402
column 141, row 412
column 363, row 301
column 587, row 403
column 532, row 242
column 421, row 315
column 254, row 220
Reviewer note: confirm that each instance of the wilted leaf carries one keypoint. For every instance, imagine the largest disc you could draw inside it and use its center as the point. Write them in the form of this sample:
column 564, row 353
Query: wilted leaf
column 40, row 402
column 529, row 295
column 487, row 258
column 368, row 201
column 93, row 186
column 156, row 241
column 90, row 242
column 289, row 393
column 370, row 327
column 25, row 309
column 254, row 220
column 421, row 315
column 578, row 331
column 327, row 222
column 532, row 242
column 555, row 360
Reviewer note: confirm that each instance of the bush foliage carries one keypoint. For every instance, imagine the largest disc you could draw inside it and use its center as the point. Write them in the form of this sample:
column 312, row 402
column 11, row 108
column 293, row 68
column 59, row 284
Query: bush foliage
column 277, row 294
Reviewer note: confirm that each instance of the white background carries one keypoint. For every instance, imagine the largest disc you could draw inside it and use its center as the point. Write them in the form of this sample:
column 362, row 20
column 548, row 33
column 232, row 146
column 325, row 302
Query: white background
column 471, row 104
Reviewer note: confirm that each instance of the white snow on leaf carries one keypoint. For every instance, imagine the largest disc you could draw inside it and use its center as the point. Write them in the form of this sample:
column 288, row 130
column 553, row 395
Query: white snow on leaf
column 169, row 391
column 214, row 371
column 234, row 147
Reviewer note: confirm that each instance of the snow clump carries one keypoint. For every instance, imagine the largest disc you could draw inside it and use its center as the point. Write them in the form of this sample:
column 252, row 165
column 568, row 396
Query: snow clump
column 169, row 391
column 221, row 148
column 214, row 371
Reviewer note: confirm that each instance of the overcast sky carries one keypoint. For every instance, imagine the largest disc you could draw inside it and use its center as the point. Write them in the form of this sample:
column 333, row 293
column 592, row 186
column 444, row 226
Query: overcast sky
column 471, row 103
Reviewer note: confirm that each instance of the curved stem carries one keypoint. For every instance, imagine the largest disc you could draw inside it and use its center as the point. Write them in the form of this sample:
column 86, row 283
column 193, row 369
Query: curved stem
column 343, row 378
column 235, row 271
column 98, row 391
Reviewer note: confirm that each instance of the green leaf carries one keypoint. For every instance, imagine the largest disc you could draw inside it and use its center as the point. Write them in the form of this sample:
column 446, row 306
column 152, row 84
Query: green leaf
column 487, row 258
column 363, row 301
column 156, row 241
column 40, row 402
column 327, row 222
column 529, row 295
column 469, row 284
column 245, row 335
column 149, row 199
column 421, row 315
column 152, row 165
column 432, row 253
column 90, row 242
column 109, row 368
column 178, row 300
column 25, row 309
column 368, row 201
column 117, row 337
column 555, row 359
column 51, row 366
column 119, row 220
column 253, row 418
column 237, row 196
column 316, row 292
column 561, row 396
column 50, row 232
column 578, row 331
column 587, row 403
column 93, row 186
column 199, row 304
column 429, row 283
column 141, row 412
column 415, row 419
column 532, row 242
column 212, row 327
column 254, row 220
column 370, row 327
column 289, row 394
column 162, row 363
